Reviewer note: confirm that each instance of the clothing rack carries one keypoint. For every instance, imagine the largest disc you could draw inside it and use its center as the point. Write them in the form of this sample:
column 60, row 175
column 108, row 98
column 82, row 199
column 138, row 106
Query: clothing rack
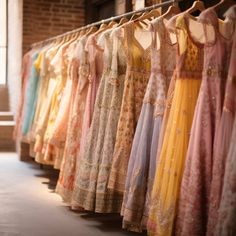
column 163, row 4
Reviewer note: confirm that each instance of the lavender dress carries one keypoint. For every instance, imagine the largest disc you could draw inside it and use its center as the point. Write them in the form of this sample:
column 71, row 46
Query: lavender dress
column 142, row 163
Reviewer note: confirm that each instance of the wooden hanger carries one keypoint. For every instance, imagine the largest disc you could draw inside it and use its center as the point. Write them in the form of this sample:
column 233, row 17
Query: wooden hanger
column 91, row 30
column 74, row 36
column 82, row 32
column 135, row 16
column 146, row 16
column 172, row 10
column 197, row 5
column 60, row 41
column 65, row 39
column 222, row 6
column 122, row 21
column 57, row 41
column 111, row 24
column 104, row 27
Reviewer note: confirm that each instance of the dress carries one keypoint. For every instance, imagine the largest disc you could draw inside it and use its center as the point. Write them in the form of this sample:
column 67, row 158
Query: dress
column 137, row 76
column 95, row 60
column 169, row 98
column 196, row 183
column 142, row 163
column 59, row 132
column 30, row 97
column 171, row 161
column 60, row 65
column 90, row 70
column 40, row 65
column 227, row 210
column 90, row 194
column 45, row 109
column 112, row 200
column 223, row 138
column 26, row 66
column 227, row 207
column 65, row 184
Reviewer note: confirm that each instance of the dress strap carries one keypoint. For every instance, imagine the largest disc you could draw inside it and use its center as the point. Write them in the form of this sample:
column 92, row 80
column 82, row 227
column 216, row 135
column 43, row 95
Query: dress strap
column 114, row 60
column 128, row 32
column 128, row 39
column 182, row 33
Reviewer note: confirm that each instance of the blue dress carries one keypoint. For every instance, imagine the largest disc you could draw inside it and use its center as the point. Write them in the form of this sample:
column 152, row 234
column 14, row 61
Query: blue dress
column 30, row 97
column 142, row 163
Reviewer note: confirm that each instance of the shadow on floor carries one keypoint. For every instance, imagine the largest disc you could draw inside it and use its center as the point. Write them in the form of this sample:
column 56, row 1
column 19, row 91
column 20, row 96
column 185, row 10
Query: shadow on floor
column 103, row 222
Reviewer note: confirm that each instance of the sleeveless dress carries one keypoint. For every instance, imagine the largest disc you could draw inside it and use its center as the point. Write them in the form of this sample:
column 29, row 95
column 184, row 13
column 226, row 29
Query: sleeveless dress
column 87, row 187
column 95, row 63
column 59, row 131
column 40, row 65
column 30, row 97
column 171, row 162
column 26, row 66
column 58, row 134
column 65, row 184
column 41, row 93
column 137, row 76
column 112, row 200
column 227, row 211
column 60, row 64
column 46, row 106
column 227, row 208
column 169, row 98
column 223, row 139
column 91, row 184
column 95, row 60
column 196, row 184
column 142, row 163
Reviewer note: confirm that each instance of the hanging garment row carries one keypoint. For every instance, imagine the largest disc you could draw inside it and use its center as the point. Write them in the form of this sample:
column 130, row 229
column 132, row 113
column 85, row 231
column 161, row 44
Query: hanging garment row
column 139, row 116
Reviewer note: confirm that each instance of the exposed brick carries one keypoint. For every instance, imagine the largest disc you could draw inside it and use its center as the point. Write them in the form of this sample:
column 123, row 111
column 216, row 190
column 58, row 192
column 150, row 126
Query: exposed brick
column 46, row 18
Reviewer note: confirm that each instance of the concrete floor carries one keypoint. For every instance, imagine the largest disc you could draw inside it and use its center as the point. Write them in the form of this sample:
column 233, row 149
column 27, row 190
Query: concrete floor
column 29, row 206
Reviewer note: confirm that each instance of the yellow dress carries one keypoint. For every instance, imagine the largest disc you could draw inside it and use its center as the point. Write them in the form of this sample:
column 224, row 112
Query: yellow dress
column 175, row 143
column 45, row 106
column 60, row 64
column 40, row 65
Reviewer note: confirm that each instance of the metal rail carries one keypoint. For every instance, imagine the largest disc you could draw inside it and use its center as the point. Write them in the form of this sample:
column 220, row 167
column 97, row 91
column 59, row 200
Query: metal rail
column 114, row 18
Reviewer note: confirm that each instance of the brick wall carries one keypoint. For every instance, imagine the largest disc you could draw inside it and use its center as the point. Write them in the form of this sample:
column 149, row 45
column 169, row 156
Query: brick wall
column 45, row 18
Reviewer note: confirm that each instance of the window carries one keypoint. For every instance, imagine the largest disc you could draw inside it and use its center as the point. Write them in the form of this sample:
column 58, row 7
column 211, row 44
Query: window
column 3, row 41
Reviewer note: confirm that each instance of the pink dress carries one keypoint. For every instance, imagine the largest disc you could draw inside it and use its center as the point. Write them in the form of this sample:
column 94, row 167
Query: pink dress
column 59, row 133
column 95, row 60
column 26, row 65
column 65, row 184
column 91, row 191
column 59, row 130
column 227, row 211
column 223, row 140
column 194, row 199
